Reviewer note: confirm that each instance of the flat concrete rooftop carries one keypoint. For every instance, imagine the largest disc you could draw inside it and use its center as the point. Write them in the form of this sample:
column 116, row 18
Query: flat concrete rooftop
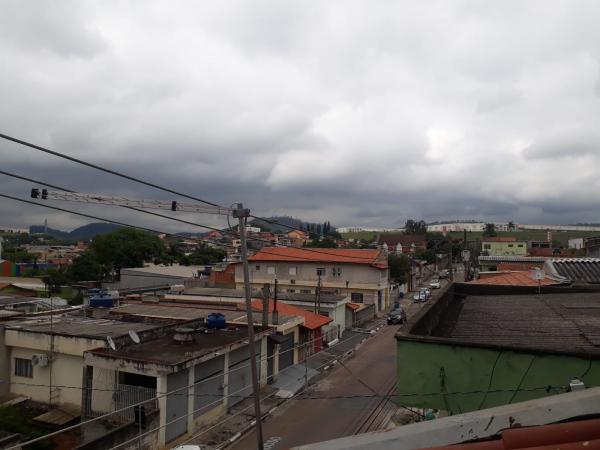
column 76, row 326
column 563, row 323
column 166, row 351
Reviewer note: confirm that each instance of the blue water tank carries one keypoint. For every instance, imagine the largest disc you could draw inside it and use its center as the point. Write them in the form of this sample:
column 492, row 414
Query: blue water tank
column 216, row 320
column 101, row 301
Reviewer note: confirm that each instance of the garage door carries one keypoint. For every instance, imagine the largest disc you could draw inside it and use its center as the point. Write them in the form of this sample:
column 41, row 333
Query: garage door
column 208, row 390
column 177, row 405
column 240, row 374
column 286, row 351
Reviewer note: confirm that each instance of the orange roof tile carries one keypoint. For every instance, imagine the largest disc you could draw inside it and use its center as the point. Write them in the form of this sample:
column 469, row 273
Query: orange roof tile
column 371, row 257
column 521, row 278
column 312, row 321
column 352, row 306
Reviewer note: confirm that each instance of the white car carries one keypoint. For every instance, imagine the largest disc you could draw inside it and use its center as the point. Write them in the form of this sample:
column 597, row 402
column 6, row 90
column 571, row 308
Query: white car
column 435, row 284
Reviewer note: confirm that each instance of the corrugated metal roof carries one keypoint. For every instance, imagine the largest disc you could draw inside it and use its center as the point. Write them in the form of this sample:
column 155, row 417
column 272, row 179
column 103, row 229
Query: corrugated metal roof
column 577, row 269
column 509, row 258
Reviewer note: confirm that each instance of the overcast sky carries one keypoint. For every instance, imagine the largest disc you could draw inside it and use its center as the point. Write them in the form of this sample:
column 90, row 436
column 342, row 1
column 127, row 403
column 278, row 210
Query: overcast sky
column 362, row 113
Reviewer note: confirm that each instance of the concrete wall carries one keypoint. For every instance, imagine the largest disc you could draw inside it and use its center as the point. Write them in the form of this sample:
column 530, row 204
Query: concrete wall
column 64, row 370
column 431, row 368
column 504, row 248
column 5, row 363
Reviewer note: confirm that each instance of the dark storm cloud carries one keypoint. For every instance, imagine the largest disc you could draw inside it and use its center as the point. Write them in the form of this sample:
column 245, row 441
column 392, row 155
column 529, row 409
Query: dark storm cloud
column 348, row 111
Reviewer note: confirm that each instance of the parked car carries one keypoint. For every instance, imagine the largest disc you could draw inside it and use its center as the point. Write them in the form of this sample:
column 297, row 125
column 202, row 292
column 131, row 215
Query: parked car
column 435, row 284
column 443, row 274
column 397, row 316
column 426, row 292
column 420, row 297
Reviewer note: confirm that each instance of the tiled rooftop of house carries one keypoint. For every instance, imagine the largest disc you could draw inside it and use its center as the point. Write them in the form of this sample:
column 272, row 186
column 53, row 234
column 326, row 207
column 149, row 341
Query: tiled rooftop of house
column 515, row 278
column 311, row 320
column 562, row 323
column 370, row 257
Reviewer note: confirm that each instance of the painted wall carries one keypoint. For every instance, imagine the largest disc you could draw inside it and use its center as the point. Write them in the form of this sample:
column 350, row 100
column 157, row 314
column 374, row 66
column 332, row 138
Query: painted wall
column 431, row 368
column 505, row 248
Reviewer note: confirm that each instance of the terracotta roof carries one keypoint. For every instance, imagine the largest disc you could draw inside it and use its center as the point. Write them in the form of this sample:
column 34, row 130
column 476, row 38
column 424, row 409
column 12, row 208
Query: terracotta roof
column 371, row 257
column 584, row 434
column 520, row 278
column 353, row 306
column 312, row 321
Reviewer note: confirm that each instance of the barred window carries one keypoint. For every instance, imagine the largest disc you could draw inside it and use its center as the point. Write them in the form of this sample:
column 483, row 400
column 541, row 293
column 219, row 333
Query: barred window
column 23, row 368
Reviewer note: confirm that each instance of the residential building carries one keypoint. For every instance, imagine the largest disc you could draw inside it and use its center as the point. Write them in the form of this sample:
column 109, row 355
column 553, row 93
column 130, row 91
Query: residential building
column 297, row 238
column 592, row 247
column 576, row 243
column 503, row 246
column 360, row 273
column 156, row 276
column 518, row 278
column 502, row 348
column 330, row 305
column 491, row 263
column 203, row 373
column 408, row 244
column 44, row 355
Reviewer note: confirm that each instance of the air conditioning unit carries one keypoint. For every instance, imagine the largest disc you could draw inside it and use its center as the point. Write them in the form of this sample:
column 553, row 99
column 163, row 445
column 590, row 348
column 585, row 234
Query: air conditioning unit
column 40, row 360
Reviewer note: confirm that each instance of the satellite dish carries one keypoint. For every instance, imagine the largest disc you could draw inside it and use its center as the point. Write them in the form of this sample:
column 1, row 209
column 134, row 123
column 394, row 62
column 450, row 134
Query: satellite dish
column 134, row 336
column 111, row 343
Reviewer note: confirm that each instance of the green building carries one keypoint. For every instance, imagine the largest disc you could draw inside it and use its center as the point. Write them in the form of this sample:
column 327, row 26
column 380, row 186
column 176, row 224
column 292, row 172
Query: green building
column 503, row 246
column 469, row 350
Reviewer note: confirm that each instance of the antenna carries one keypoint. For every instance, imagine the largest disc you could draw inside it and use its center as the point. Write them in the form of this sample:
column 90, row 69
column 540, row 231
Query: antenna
column 111, row 343
column 134, row 336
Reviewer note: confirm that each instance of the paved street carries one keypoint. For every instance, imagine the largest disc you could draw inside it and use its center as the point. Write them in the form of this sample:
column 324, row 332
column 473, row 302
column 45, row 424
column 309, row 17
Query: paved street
column 302, row 421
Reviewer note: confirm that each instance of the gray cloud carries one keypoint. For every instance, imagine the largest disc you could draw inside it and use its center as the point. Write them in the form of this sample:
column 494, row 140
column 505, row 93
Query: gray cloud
column 347, row 111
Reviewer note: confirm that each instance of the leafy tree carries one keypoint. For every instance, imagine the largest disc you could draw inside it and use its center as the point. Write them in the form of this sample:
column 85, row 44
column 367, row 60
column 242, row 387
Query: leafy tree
column 126, row 247
column 86, row 267
column 18, row 255
column 415, row 227
column 205, row 255
column 490, row 230
column 54, row 279
column 399, row 267
column 323, row 243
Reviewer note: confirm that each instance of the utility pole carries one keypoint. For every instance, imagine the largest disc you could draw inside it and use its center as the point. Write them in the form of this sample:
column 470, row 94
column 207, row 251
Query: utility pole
column 242, row 214
column 275, row 320
column 266, row 294
column 318, row 292
column 450, row 259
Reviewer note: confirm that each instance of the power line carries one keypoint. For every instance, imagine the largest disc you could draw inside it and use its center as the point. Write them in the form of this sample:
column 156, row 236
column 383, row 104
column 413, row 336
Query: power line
column 232, row 233
column 103, row 169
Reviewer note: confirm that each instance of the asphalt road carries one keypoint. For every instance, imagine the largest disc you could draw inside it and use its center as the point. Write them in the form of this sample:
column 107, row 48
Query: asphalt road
column 302, row 421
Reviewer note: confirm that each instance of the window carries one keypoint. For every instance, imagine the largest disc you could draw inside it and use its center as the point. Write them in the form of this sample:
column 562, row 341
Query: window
column 23, row 368
column 487, row 246
column 305, row 291
column 336, row 272
column 293, row 271
column 356, row 297
column 510, row 245
column 293, row 281
column 320, row 272
column 271, row 270
column 291, row 291
column 520, row 245
column 257, row 268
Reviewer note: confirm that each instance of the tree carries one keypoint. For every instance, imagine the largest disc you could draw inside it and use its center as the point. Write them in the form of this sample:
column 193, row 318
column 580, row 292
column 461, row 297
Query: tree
column 54, row 279
column 490, row 230
column 86, row 268
column 324, row 243
column 205, row 255
column 126, row 247
column 415, row 227
column 399, row 267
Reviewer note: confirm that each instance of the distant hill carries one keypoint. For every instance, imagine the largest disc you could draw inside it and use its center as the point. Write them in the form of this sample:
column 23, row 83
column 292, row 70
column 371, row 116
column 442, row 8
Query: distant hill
column 84, row 232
